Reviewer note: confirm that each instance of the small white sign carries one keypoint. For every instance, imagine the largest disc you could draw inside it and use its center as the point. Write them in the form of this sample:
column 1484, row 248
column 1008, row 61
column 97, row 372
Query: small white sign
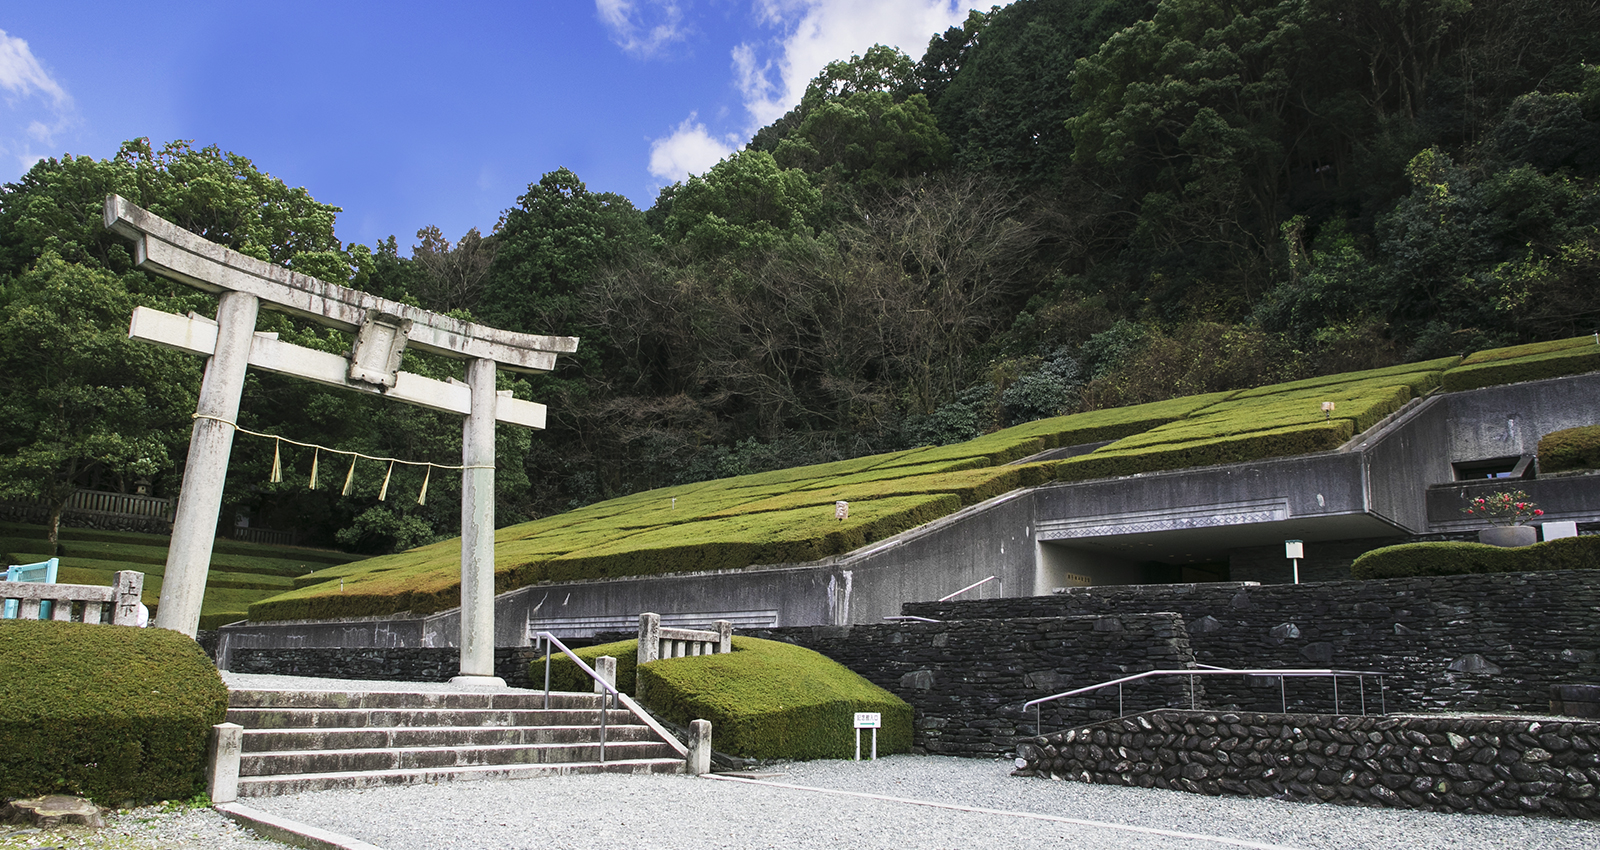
column 869, row 720
column 1294, row 549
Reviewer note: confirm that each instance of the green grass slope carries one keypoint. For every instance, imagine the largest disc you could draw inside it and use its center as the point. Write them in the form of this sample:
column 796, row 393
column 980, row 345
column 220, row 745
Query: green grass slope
column 241, row 573
column 787, row 516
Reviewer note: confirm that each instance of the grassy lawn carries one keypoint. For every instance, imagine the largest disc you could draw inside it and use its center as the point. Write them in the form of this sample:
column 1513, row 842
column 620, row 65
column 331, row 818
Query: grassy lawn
column 241, row 573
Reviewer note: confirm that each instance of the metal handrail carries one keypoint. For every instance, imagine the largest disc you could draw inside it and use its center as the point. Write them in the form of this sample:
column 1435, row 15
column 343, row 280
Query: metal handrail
column 1208, row 670
column 967, row 588
column 610, row 694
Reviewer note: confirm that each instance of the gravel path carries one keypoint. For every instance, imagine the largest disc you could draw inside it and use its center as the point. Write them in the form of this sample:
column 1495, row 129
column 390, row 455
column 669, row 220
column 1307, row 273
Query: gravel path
column 147, row 828
column 682, row 813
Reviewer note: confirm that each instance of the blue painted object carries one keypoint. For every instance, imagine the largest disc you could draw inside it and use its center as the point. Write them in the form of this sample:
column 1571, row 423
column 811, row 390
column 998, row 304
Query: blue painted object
column 43, row 572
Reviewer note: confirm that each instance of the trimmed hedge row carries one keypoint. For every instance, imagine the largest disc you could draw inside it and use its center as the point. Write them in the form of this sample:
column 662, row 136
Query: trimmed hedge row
column 772, row 700
column 1371, row 377
column 1579, row 355
column 773, row 537
column 1572, row 448
column 565, row 676
column 1278, row 442
column 1514, row 352
column 115, row 714
column 1460, row 558
column 785, row 516
column 765, row 699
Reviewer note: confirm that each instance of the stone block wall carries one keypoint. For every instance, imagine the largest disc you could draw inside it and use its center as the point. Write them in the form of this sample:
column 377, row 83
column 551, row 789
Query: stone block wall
column 967, row 680
column 393, row 664
column 1448, row 764
column 1450, row 643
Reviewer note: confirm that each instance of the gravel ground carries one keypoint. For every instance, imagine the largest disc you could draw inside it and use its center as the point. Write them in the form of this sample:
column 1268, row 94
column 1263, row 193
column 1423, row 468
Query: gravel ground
column 683, row 813
column 147, row 828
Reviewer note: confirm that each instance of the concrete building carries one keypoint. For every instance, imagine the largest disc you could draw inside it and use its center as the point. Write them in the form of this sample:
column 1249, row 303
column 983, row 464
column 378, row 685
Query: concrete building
column 1405, row 478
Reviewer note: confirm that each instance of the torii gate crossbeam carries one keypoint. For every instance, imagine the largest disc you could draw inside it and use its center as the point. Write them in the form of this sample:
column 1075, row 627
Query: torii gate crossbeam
column 384, row 329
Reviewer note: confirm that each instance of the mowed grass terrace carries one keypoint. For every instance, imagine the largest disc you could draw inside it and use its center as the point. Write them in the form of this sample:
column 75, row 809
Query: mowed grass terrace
column 787, row 516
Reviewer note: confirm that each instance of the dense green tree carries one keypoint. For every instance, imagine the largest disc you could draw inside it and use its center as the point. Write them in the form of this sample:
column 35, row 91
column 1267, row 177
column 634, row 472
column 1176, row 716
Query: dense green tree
column 81, row 403
column 743, row 205
column 548, row 248
column 1001, row 84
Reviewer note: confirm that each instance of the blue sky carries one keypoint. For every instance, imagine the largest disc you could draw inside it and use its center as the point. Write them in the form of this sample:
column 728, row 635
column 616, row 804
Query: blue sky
column 409, row 114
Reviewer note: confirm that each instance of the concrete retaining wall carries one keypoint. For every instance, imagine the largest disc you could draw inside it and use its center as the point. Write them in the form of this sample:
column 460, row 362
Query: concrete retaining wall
column 1439, row 764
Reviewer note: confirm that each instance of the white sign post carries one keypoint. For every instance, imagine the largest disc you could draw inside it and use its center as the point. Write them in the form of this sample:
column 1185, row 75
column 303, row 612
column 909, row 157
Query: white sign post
column 1294, row 550
column 868, row 720
column 383, row 330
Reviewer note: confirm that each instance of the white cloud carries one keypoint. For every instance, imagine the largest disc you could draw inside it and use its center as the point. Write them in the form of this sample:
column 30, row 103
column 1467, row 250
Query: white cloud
column 33, row 99
column 812, row 33
column 691, row 149
column 642, row 27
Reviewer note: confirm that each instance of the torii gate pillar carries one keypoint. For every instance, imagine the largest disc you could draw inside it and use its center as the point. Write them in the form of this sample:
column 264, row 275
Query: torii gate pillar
column 477, row 530
column 194, row 525
column 383, row 331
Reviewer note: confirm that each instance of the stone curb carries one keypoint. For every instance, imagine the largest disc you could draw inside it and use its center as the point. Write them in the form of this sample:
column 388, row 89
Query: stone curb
column 291, row 832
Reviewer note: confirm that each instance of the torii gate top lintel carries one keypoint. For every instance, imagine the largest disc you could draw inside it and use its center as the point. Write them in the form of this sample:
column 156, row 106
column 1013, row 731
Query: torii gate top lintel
column 171, row 251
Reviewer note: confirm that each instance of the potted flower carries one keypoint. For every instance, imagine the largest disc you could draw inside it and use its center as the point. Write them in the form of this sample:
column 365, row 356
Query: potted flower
column 1506, row 512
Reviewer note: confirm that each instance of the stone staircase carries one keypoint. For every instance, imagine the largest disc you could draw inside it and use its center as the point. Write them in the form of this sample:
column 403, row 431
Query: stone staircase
column 297, row 741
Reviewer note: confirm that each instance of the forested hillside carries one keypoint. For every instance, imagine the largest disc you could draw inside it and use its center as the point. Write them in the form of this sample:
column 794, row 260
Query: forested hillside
column 1063, row 205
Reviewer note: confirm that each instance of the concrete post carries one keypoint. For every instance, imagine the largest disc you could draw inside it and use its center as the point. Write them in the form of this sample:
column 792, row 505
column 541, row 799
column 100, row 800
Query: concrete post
column 222, row 767
column 194, row 527
column 606, row 666
column 724, row 637
column 477, row 531
column 649, row 637
column 699, row 761
column 127, row 588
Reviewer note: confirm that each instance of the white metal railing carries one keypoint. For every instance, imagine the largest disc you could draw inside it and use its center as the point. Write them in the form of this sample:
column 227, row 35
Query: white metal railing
column 657, row 641
column 610, row 697
column 1207, row 670
column 122, row 597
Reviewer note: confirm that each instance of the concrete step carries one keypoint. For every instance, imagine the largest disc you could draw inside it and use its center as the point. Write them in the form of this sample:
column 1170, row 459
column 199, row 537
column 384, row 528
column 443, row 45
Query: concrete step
column 265, row 786
column 291, row 762
column 344, row 718
column 247, row 698
column 358, row 738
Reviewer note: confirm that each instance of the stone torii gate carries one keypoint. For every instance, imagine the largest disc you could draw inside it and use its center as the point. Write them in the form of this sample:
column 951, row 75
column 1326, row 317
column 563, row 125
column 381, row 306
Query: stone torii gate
column 383, row 330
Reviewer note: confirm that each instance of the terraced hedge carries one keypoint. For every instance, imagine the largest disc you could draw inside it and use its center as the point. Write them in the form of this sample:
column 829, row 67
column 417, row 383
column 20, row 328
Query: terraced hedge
column 1448, row 558
column 772, row 700
column 786, row 516
column 1569, row 449
column 1525, row 363
column 241, row 573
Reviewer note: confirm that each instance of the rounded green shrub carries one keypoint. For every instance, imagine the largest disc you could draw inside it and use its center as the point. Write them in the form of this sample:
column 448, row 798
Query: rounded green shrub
column 772, row 700
column 1459, row 558
column 116, row 714
column 1573, row 448
column 565, row 676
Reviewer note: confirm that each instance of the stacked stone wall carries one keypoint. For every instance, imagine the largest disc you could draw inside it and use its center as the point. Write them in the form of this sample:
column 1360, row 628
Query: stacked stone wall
column 1448, row 764
column 967, row 680
column 1450, row 643
column 391, row 664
